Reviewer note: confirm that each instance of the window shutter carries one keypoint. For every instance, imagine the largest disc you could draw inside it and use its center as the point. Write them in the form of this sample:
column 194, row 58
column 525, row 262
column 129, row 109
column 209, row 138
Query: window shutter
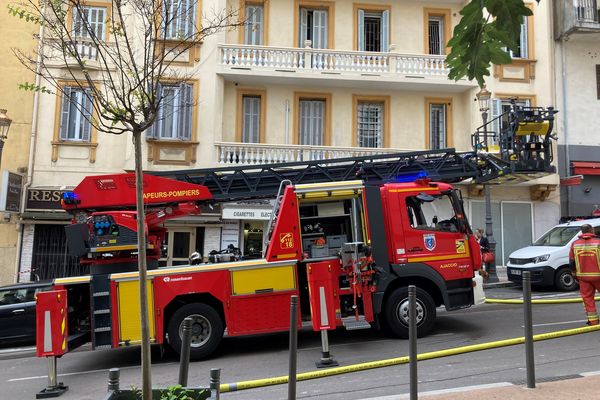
column 185, row 112
column 385, row 31
column 496, row 124
column 153, row 131
column 259, row 21
column 523, row 39
column 86, row 108
column 303, row 26
column 319, row 29
column 64, row 114
column 598, row 81
column 361, row 30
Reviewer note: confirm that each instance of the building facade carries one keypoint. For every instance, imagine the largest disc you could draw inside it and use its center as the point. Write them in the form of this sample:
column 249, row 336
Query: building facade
column 302, row 80
column 577, row 32
column 15, row 154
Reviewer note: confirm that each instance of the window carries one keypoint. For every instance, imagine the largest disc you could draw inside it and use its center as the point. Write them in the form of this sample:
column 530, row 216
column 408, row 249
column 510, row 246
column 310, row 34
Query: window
column 370, row 124
column 179, row 21
column 76, row 111
column 432, row 213
column 313, row 27
column 254, row 29
column 89, row 23
column 251, row 119
column 436, row 35
column 499, row 107
column 174, row 119
column 373, row 30
column 437, row 126
column 311, row 122
column 522, row 45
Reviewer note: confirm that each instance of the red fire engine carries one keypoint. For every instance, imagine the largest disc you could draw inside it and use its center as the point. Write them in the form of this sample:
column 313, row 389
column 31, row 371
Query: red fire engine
column 376, row 236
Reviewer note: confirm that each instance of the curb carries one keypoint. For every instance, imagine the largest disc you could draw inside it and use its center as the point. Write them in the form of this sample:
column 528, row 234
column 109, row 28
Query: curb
column 496, row 285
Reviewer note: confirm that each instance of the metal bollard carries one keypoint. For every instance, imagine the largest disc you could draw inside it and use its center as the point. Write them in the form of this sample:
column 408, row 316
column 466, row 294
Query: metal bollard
column 293, row 347
column 412, row 340
column 529, row 360
column 184, row 360
column 215, row 383
column 113, row 379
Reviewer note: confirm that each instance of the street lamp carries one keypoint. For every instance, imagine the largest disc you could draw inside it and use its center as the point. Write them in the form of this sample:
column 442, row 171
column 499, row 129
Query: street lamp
column 5, row 122
column 483, row 97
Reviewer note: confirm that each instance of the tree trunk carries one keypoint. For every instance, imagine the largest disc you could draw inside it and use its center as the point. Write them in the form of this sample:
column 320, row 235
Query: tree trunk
column 142, row 265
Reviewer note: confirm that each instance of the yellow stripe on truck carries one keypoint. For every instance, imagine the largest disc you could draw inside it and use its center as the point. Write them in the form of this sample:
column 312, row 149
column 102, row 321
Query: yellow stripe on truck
column 257, row 280
column 129, row 311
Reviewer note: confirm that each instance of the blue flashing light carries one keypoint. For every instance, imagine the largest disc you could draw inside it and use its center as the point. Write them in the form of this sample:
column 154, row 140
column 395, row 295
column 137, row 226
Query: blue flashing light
column 410, row 176
column 70, row 198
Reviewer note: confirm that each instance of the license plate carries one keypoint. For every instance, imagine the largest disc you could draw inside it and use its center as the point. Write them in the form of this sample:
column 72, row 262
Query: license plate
column 515, row 271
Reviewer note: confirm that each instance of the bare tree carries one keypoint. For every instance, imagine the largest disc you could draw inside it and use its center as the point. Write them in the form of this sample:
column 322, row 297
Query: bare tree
column 116, row 58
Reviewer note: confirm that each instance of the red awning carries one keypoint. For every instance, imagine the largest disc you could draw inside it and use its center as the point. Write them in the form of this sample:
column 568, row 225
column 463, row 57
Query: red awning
column 585, row 168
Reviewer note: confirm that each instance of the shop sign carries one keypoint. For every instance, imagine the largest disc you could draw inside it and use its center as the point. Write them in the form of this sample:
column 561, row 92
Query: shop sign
column 43, row 199
column 246, row 213
column 11, row 192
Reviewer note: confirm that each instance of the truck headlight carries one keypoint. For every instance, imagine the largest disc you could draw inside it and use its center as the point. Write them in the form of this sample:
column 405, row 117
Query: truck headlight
column 543, row 258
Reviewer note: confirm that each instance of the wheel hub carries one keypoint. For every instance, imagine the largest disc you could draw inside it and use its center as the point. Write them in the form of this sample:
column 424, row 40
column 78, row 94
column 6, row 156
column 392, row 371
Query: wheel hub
column 201, row 330
column 402, row 312
column 567, row 280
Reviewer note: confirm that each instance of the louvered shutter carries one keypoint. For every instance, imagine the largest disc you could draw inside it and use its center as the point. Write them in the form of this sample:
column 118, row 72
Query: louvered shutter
column 154, row 130
column 184, row 109
column 87, row 108
column 64, row 114
column 385, row 30
column 524, row 40
column 303, row 27
column 496, row 124
column 319, row 29
column 361, row 30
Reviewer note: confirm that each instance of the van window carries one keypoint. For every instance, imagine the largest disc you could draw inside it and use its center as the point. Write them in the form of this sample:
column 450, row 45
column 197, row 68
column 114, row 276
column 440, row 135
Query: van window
column 559, row 236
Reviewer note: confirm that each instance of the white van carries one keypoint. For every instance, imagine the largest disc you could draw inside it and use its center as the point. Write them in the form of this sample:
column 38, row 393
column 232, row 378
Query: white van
column 548, row 257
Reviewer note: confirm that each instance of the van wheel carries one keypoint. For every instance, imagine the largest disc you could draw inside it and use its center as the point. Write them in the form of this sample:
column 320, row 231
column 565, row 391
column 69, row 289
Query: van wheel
column 564, row 280
column 207, row 330
column 396, row 312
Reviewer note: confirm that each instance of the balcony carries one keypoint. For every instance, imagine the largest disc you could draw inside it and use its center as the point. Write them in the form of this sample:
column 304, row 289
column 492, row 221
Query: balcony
column 576, row 16
column 235, row 153
column 336, row 68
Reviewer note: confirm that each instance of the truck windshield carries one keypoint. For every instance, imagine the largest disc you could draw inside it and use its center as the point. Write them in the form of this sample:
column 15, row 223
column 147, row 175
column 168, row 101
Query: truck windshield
column 558, row 236
column 434, row 212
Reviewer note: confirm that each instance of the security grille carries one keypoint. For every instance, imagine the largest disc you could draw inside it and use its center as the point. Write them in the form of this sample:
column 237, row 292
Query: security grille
column 436, row 36
column 372, row 23
column 370, row 125
column 437, row 126
column 50, row 256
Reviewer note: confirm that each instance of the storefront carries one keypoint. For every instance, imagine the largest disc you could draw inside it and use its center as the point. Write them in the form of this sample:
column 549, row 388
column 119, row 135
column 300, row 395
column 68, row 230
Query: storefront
column 244, row 226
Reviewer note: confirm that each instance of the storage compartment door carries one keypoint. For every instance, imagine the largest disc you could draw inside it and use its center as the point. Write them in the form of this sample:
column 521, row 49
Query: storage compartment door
column 130, row 331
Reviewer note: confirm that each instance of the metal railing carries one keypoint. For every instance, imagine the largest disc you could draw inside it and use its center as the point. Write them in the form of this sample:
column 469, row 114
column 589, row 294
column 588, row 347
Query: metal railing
column 586, row 10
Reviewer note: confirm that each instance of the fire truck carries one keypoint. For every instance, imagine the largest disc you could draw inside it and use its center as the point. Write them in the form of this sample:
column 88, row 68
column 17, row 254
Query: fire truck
column 348, row 236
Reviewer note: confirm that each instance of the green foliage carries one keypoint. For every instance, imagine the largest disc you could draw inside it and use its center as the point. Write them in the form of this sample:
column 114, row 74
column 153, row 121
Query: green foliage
column 34, row 88
column 21, row 13
column 480, row 41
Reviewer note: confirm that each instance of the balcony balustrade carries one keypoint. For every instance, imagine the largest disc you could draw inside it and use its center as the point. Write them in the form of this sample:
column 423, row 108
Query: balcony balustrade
column 331, row 61
column 235, row 153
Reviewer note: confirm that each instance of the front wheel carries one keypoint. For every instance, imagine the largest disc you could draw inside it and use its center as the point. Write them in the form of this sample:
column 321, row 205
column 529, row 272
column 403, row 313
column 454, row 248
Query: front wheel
column 396, row 312
column 207, row 330
column 564, row 280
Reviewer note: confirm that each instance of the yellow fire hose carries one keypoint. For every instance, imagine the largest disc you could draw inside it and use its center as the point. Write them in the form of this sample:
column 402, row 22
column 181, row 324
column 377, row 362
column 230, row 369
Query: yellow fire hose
column 538, row 301
column 278, row 380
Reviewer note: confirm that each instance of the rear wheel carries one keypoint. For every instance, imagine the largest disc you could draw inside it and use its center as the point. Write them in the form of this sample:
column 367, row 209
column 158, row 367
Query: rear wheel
column 396, row 312
column 207, row 329
column 564, row 280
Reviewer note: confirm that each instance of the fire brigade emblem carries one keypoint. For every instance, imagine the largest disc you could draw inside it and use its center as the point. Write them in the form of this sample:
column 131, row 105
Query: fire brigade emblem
column 429, row 241
column 286, row 240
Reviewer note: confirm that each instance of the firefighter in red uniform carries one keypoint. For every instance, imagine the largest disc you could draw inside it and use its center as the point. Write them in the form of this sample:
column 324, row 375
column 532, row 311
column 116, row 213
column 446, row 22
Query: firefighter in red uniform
column 584, row 259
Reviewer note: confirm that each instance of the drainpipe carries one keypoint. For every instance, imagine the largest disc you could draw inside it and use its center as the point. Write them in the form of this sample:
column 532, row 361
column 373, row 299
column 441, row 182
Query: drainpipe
column 563, row 63
column 32, row 145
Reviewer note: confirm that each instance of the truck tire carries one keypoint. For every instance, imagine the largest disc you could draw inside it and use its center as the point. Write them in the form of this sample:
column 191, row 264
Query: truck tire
column 564, row 280
column 396, row 312
column 207, row 330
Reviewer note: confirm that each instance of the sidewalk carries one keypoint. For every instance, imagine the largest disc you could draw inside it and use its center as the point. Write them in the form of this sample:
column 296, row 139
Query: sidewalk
column 502, row 279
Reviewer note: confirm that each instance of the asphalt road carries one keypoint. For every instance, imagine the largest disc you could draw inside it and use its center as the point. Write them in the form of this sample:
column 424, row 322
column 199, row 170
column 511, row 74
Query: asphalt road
column 22, row 375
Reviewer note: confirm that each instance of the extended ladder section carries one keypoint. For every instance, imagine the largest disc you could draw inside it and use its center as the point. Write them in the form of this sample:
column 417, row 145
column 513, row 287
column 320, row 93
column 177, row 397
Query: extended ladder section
column 517, row 144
